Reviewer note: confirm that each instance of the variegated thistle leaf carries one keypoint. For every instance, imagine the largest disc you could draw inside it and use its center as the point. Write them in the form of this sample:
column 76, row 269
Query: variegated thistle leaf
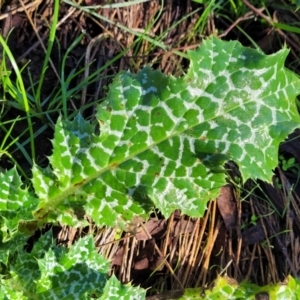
column 52, row 272
column 227, row 288
column 114, row 290
column 16, row 206
column 163, row 140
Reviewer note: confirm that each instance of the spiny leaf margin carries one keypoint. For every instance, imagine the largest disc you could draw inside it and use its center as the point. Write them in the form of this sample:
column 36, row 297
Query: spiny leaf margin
column 234, row 103
column 163, row 140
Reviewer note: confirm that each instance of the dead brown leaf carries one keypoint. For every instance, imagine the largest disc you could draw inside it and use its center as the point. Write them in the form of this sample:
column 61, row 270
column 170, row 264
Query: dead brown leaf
column 227, row 207
column 253, row 235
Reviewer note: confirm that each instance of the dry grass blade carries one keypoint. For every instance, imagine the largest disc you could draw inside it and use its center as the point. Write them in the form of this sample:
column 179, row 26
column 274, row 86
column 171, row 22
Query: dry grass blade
column 38, row 36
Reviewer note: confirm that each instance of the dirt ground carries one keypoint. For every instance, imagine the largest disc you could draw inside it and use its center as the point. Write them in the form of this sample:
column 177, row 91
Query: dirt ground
column 252, row 231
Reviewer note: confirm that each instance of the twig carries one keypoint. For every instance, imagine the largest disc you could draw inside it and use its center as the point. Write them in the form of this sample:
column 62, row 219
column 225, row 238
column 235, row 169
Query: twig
column 39, row 38
column 272, row 23
column 96, row 39
column 19, row 9
column 249, row 15
column 165, row 262
column 70, row 12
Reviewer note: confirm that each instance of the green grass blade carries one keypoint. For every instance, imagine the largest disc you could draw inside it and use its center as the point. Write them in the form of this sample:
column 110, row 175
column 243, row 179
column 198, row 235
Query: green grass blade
column 48, row 53
column 126, row 29
column 22, row 92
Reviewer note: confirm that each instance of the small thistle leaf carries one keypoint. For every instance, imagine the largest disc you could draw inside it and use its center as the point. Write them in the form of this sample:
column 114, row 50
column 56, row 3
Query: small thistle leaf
column 16, row 203
column 114, row 290
column 76, row 272
column 16, row 206
column 227, row 288
column 53, row 272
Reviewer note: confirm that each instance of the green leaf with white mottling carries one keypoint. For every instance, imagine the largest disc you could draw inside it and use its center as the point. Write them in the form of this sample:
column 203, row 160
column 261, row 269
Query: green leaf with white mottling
column 16, row 206
column 163, row 140
column 10, row 293
column 74, row 273
column 225, row 289
column 51, row 272
column 15, row 203
column 114, row 290
column 247, row 104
